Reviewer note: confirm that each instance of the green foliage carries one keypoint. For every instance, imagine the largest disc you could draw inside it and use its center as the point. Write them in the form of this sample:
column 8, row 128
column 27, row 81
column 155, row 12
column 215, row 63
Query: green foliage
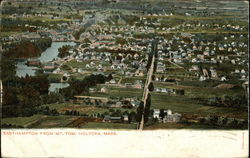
column 162, row 113
column 47, row 111
column 237, row 101
column 52, row 97
column 120, row 41
column 151, row 87
column 78, row 87
column 43, row 43
column 78, row 33
column 64, row 51
column 27, row 49
column 139, row 112
column 8, row 65
column 147, row 108
column 21, row 96
column 86, row 40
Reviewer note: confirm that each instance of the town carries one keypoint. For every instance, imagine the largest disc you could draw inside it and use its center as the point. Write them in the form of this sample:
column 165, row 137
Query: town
column 124, row 64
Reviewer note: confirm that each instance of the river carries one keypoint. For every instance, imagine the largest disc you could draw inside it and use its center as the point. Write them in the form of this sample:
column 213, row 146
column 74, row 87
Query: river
column 48, row 55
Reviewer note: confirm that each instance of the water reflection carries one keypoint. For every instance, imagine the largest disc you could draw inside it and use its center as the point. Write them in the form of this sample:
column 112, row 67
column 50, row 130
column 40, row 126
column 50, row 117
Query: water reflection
column 52, row 52
column 54, row 87
column 22, row 69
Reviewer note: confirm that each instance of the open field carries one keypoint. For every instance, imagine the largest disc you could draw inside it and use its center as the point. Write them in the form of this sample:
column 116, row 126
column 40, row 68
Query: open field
column 183, row 126
column 40, row 121
column 55, row 121
column 131, row 79
column 185, row 104
column 54, row 77
column 82, row 109
column 21, row 121
column 120, row 92
column 197, row 88
column 2, row 34
column 193, row 17
column 102, row 125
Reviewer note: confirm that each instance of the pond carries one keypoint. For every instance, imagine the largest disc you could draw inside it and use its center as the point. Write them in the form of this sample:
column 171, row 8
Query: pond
column 54, row 87
column 22, row 69
column 48, row 55
column 52, row 52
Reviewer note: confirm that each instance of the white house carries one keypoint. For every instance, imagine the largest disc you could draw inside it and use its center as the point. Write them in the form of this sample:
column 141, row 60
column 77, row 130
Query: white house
column 156, row 113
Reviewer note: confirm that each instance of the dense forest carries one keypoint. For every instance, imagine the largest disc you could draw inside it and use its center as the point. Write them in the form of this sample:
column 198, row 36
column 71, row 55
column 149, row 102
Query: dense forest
column 28, row 49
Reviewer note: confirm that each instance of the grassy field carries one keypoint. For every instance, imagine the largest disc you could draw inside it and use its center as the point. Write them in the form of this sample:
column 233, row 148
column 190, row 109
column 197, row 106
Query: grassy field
column 101, row 125
column 21, row 121
column 192, row 17
column 198, row 89
column 183, row 126
column 83, row 109
column 132, row 79
column 3, row 34
column 55, row 121
column 45, row 19
column 54, row 77
column 75, row 64
column 120, row 92
column 184, row 104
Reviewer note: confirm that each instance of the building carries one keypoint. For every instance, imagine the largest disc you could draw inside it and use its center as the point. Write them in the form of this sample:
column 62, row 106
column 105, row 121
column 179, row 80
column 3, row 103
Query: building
column 33, row 62
column 108, row 118
column 172, row 117
column 138, row 84
column 104, row 90
column 160, row 67
column 156, row 113
column 81, row 99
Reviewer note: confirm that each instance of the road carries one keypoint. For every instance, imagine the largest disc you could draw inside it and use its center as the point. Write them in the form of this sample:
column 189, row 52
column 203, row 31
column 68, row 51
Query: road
column 146, row 91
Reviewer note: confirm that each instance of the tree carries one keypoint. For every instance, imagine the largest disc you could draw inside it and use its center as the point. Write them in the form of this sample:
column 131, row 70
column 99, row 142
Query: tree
column 110, row 77
column 151, row 87
column 64, row 51
column 153, row 77
column 162, row 113
column 139, row 112
column 147, row 108
column 162, row 78
column 131, row 117
column 86, row 40
column 120, row 41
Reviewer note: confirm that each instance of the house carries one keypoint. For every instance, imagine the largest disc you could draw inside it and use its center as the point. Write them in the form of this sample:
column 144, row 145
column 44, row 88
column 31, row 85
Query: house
column 108, row 118
column 163, row 90
column 172, row 118
column 156, row 113
column 128, row 85
column 125, row 118
column 202, row 78
column 104, row 90
column 135, row 103
column 87, row 66
column 49, row 67
column 223, row 78
column 138, row 84
column 243, row 71
column 92, row 90
column 160, row 67
column 112, row 81
column 81, row 99
column 139, row 72
column 33, row 62
column 213, row 73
